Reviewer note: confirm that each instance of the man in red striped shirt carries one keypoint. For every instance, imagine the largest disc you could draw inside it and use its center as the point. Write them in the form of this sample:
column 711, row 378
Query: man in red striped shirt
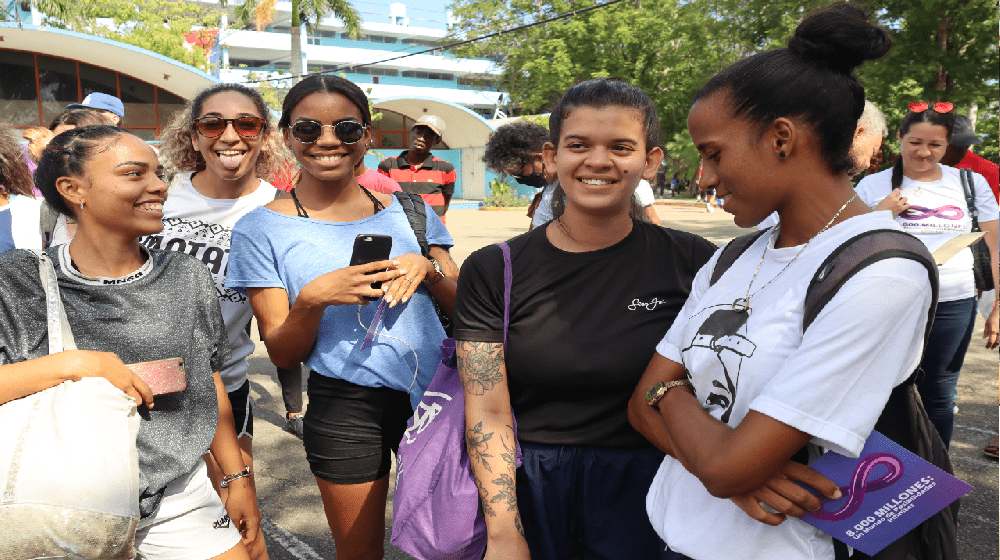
column 417, row 171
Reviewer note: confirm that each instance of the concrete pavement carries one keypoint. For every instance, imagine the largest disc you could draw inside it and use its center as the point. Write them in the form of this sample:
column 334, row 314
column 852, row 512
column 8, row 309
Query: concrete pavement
column 295, row 526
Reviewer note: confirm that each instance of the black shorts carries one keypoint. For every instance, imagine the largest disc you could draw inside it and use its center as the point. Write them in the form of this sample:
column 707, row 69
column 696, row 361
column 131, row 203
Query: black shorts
column 349, row 430
column 242, row 410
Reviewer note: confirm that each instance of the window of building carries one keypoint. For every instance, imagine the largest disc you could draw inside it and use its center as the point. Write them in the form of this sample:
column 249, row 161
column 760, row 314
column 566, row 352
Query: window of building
column 428, row 75
column 61, row 81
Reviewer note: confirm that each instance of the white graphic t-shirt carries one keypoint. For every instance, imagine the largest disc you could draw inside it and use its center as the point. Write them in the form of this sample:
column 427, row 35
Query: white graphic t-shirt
column 938, row 212
column 831, row 381
column 200, row 226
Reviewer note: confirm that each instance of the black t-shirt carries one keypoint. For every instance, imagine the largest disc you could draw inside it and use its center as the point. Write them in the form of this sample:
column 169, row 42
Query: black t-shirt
column 583, row 326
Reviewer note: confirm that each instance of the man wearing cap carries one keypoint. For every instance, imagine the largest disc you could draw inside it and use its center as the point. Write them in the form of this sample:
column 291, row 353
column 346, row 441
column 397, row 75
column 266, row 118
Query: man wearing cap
column 108, row 105
column 417, row 171
column 958, row 155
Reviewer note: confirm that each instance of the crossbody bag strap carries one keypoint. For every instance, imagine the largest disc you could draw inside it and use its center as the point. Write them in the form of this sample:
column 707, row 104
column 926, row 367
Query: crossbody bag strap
column 732, row 251
column 508, row 279
column 60, row 335
column 969, row 188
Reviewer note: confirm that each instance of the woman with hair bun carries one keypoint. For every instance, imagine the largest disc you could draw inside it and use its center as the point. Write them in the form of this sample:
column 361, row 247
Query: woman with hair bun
column 738, row 386
column 928, row 200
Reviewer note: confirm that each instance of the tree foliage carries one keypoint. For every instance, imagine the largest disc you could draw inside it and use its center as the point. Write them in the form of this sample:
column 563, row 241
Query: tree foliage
column 160, row 26
column 944, row 50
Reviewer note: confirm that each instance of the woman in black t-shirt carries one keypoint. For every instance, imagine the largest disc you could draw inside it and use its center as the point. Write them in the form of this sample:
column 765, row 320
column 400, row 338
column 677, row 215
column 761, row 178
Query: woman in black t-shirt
column 592, row 293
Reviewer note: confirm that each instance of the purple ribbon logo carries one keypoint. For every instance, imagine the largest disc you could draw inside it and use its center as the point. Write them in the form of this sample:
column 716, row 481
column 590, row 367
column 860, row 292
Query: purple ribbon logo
column 859, row 485
column 919, row 213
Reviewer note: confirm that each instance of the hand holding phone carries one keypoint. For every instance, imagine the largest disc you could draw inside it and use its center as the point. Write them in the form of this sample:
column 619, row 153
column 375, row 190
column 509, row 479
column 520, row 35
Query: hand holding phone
column 370, row 247
column 163, row 376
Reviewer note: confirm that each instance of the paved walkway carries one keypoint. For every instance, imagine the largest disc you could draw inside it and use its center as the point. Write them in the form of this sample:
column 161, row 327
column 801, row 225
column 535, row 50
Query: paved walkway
column 295, row 526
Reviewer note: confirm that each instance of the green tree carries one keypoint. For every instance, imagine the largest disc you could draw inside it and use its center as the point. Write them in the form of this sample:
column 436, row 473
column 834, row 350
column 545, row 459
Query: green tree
column 310, row 12
column 160, row 26
column 669, row 48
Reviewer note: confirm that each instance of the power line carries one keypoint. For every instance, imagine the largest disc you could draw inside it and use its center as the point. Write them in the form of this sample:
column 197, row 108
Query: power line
column 448, row 46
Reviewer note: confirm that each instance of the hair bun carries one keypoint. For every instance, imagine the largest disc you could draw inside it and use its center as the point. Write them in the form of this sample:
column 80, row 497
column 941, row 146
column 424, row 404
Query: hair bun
column 841, row 37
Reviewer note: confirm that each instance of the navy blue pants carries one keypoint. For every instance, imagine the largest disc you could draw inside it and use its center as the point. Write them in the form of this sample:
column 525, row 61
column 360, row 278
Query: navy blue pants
column 588, row 503
column 943, row 359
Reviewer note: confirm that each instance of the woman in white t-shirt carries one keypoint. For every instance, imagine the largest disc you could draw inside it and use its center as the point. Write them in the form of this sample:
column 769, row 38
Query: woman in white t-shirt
column 19, row 210
column 738, row 386
column 928, row 200
column 220, row 145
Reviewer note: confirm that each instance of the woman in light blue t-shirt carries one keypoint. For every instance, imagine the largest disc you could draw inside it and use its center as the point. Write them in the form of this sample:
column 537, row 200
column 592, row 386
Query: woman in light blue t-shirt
column 291, row 257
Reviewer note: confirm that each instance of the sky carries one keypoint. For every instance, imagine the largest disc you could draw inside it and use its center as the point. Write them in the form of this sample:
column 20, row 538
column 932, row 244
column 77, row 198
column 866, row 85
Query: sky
column 422, row 13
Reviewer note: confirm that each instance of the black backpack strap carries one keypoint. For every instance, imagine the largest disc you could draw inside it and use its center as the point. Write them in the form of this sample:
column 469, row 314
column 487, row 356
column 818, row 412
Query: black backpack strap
column 732, row 251
column 47, row 223
column 859, row 252
column 969, row 187
column 416, row 214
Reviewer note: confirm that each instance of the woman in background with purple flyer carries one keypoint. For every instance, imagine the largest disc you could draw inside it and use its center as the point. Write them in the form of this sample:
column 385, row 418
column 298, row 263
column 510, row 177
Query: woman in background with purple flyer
column 127, row 304
column 741, row 394
column 296, row 251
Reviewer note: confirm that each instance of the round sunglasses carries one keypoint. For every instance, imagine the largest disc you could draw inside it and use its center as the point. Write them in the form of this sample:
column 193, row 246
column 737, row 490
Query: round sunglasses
column 348, row 132
column 246, row 127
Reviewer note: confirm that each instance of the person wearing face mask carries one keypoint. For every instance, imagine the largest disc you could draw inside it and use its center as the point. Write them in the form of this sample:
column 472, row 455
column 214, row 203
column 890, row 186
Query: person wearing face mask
column 516, row 149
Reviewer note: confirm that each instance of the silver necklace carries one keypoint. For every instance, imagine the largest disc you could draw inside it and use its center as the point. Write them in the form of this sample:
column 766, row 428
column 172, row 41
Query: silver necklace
column 741, row 305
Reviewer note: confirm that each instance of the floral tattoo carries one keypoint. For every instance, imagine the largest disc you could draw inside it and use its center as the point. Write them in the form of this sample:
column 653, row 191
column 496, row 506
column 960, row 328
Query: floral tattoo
column 479, row 364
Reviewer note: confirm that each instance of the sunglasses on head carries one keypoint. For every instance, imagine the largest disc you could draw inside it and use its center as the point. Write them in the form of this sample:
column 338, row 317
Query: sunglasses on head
column 939, row 107
column 348, row 132
column 246, row 127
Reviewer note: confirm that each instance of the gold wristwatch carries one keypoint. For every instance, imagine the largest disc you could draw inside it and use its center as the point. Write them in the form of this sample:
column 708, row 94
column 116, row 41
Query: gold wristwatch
column 656, row 392
column 438, row 274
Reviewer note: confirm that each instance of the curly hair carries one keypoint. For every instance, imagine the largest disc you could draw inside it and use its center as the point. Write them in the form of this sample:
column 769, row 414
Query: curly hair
column 513, row 145
column 38, row 137
column 177, row 154
column 14, row 175
column 67, row 155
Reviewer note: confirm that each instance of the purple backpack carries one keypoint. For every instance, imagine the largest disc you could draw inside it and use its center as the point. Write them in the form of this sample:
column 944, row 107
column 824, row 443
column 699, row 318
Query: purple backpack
column 436, row 513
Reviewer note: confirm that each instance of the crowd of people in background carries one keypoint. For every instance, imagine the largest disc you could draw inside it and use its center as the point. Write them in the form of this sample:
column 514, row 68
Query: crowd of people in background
column 664, row 396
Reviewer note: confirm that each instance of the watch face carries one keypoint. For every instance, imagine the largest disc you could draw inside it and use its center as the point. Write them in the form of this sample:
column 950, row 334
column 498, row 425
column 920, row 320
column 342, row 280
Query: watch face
column 655, row 393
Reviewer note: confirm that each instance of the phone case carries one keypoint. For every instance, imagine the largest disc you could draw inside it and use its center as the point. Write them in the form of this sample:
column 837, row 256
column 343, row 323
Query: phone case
column 163, row 376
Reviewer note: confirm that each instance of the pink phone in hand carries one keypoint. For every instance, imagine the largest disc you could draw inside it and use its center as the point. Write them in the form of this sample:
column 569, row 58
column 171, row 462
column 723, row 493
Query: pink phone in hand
column 163, row 376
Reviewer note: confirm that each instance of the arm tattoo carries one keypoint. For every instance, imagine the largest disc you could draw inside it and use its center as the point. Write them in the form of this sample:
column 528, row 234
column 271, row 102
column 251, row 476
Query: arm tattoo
column 517, row 524
column 479, row 364
column 478, row 444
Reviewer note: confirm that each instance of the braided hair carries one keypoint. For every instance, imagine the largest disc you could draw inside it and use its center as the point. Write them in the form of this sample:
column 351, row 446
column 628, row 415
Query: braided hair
column 67, row 156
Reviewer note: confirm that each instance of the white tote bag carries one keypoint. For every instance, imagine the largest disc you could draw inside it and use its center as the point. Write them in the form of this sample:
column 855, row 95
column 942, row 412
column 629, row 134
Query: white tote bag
column 69, row 471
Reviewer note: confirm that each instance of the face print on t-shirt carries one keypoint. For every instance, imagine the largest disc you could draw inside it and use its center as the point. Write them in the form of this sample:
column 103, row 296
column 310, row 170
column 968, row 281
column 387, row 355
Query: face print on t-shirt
column 723, row 332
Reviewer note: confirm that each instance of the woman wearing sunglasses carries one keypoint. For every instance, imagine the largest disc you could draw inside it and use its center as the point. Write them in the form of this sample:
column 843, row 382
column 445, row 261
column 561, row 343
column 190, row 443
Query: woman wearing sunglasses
column 219, row 147
column 928, row 200
column 296, row 251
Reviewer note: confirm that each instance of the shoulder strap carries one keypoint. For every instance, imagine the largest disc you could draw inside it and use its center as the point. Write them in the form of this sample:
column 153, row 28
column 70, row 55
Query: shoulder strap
column 854, row 255
column 60, row 335
column 47, row 223
column 508, row 280
column 732, row 251
column 969, row 187
column 416, row 214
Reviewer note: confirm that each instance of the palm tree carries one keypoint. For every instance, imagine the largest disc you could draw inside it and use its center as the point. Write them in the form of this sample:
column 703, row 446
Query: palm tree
column 261, row 13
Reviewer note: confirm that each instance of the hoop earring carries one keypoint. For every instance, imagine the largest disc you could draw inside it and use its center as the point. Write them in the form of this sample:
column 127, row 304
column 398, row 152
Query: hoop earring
column 81, row 206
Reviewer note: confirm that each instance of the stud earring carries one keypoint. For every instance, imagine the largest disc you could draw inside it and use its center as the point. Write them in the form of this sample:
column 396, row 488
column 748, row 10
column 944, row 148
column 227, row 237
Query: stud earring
column 781, row 154
column 81, row 206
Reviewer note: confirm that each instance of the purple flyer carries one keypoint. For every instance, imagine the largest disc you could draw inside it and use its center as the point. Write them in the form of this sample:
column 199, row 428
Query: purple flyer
column 887, row 492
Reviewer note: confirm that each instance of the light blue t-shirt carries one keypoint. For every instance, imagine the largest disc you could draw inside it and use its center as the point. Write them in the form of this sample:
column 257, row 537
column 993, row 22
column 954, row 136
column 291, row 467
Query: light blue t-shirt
column 272, row 250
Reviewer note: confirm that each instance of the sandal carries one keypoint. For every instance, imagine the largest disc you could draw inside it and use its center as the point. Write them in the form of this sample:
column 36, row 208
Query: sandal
column 992, row 449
